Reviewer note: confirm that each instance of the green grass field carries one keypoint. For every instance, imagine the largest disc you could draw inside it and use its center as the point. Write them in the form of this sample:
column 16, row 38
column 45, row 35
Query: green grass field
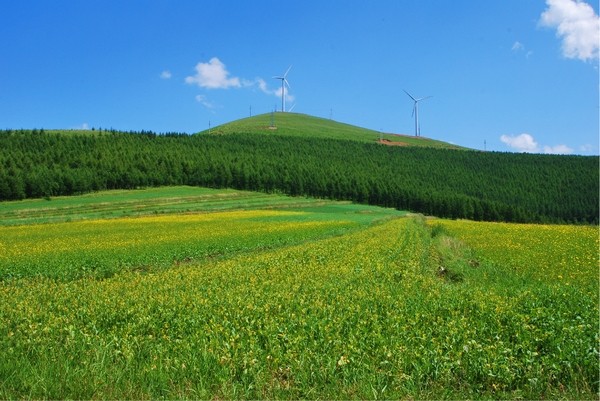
column 302, row 125
column 191, row 293
column 152, row 201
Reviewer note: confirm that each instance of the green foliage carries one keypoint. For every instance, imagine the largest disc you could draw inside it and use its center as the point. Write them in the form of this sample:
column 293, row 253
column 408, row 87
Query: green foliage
column 363, row 315
column 442, row 182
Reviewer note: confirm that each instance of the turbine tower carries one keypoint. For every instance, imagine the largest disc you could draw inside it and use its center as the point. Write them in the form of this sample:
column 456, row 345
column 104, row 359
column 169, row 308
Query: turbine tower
column 415, row 112
column 284, row 82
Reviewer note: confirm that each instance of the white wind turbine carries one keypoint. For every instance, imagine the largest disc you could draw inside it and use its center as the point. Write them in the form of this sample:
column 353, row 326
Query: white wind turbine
column 284, row 82
column 415, row 112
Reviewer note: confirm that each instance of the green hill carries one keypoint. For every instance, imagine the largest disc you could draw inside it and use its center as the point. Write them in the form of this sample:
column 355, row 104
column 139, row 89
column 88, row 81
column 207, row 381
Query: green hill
column 305, row 126
column 305, row 161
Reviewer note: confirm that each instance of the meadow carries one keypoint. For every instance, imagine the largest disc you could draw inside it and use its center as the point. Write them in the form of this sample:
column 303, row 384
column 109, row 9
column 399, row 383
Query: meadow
column 290, row 298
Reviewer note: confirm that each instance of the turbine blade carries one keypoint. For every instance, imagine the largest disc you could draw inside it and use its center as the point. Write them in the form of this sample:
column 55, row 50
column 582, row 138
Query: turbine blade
column 409, row 95
column 287, row 83
column 288, row 70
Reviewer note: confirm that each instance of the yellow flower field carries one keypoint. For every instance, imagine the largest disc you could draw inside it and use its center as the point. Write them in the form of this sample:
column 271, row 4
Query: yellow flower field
column 291, row 305
column 72, row 249
column 564, row 253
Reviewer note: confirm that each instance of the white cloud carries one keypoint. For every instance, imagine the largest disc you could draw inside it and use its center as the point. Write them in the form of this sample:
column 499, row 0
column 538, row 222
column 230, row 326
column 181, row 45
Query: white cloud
column 586, row 148
column 213, row 75
column 576, row 24
column 261, row 84
column 288, row 97
column 264, row 87
column 558, row 150
column 521, row 143
column 527, row 143
column 166, row 74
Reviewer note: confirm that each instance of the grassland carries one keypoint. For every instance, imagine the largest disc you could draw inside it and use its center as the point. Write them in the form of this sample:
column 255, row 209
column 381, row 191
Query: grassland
column 302, row 125
column 149, row 201
column 291, row 299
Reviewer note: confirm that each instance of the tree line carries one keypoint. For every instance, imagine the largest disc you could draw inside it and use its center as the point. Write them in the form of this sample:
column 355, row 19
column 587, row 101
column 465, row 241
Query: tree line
column 475, row 185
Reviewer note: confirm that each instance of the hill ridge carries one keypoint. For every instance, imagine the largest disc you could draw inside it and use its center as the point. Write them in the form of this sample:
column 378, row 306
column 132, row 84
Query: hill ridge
column 305, row 125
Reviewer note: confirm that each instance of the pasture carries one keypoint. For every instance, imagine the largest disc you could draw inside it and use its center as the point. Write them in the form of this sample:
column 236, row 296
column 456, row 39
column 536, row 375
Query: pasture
column 196, row 293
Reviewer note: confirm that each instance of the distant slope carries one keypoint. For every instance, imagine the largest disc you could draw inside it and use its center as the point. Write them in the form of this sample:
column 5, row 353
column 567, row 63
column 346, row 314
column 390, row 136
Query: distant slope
column 305, row 126
column 436, row 181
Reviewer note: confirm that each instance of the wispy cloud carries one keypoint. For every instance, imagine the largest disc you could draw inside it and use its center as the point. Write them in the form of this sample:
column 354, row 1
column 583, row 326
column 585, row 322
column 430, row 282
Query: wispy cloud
column 526, row 143
column 288, row 97
column 262, row 85
column 203, row 100
column 213, row 75
column 517, row 46
column 166, row 74
column 558, row 150
column 577, row 25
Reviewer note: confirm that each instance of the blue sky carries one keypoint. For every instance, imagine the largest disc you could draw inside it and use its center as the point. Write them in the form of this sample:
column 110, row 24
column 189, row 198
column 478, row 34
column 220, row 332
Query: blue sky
column 521, row 75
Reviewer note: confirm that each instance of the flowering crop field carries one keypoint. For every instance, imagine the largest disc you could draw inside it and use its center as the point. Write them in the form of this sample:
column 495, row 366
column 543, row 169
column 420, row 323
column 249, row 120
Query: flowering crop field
column 101, row 248
column 74, row 237
column 560, row 255
column 333, row 301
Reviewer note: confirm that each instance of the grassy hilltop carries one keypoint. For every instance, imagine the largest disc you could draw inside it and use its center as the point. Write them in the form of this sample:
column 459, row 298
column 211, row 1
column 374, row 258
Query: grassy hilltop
column 305, row 126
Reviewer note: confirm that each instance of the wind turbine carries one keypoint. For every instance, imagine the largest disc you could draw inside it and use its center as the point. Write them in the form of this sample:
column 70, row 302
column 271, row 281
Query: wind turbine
column 284, row 82
column 415, row 112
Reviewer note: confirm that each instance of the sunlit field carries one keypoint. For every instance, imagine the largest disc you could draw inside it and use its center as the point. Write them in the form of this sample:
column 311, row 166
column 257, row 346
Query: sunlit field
column 326, row 300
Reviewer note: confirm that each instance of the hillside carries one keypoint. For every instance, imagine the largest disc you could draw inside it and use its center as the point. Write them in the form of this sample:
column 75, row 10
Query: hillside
column 305, row 126
column 306, row 156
